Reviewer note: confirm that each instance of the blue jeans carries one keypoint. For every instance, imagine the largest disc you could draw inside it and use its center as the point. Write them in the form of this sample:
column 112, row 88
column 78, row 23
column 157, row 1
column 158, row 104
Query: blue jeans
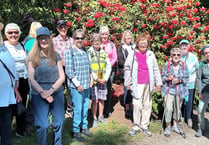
column 5, row 125
column 201, row 110
column 41, row 117
column 189, row 105
column 80, row 109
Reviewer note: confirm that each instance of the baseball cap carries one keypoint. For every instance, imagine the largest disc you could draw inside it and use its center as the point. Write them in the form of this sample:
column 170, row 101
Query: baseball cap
column 61, row 22
column 42, row 31
column 184, row 41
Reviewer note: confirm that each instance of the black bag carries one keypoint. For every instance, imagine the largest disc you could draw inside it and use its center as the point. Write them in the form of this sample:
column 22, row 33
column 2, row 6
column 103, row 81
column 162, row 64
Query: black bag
column 20, row 108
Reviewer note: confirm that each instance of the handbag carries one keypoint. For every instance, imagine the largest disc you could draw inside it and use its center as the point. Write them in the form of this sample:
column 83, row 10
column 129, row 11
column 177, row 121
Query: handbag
column 20, row 108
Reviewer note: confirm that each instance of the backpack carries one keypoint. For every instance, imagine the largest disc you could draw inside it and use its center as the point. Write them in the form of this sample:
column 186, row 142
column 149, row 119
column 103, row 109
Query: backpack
column 169, row 63
column 26, row 40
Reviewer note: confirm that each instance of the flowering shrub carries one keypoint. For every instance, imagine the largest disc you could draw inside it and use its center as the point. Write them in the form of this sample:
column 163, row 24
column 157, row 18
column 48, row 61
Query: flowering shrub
column 166, row 21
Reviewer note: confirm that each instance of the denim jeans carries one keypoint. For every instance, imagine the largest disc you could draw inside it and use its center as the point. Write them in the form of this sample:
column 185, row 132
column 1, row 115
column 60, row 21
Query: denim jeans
column 5, row 125
column 189, row 105
column 201, row 110
column 41, row 117
column 80, row 109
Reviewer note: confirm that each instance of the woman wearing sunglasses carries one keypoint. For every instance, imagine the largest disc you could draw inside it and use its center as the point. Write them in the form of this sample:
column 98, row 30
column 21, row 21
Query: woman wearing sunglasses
column 12, row 32
column 175, row 75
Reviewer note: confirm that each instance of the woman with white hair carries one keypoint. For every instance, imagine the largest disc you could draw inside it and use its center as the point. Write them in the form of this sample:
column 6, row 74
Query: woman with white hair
column 110, row 49
column 12, row 32
column 8, row 88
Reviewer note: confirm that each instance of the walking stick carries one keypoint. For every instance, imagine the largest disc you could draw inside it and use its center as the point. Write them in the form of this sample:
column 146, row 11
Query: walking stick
column 182, row 132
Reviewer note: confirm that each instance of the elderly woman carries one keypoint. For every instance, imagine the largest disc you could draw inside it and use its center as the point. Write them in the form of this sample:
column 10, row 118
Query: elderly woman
column 12, row 32
column 192, row 62
column 8, row 88
column 141, row 76
column 127, row 45
column 30, row 39
column 203, row 90
column 110, row 48
column 175, row 76
column 78, row 71
column 101, row 69
column 46, row 76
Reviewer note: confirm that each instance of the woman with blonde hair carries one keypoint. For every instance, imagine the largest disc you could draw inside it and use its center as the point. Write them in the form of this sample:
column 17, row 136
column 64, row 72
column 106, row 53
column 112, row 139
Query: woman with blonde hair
column 46, row 75
column 127, row 45
column 109, row 47
column 30, row 39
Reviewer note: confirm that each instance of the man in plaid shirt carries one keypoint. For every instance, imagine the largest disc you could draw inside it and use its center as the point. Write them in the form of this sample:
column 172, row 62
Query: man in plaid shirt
column 61, row 43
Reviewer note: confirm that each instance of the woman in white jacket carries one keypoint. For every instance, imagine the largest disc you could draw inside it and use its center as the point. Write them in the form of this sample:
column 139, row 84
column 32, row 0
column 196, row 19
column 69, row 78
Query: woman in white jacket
column 141, row 76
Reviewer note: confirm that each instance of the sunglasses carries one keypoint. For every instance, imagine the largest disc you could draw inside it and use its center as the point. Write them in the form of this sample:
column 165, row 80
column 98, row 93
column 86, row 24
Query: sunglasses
column 176, row 54
column 79, row 38
column 13, row 32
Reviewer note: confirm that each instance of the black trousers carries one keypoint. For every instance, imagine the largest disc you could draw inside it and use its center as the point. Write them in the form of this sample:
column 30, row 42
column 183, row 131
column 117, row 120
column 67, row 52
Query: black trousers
column 5, row 125
column 21, row 119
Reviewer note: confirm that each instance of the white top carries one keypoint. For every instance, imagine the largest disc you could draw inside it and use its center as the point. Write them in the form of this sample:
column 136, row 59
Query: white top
column 19, row 55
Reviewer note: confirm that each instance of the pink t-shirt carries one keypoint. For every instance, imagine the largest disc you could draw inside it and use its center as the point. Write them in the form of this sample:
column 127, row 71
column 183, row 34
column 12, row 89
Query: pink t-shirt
column 109, row 47
column 143, row 73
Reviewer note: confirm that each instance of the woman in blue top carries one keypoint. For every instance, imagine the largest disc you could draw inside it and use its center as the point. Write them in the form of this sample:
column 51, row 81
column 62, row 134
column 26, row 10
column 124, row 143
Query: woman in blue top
column 8, row 89
column 46, row 75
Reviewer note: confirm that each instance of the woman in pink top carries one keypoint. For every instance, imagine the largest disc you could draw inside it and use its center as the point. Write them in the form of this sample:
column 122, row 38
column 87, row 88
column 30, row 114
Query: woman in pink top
column 110, row 48
column 141, row 76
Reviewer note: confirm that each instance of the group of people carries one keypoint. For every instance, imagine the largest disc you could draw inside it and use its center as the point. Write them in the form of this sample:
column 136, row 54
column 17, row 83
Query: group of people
column 44, row 66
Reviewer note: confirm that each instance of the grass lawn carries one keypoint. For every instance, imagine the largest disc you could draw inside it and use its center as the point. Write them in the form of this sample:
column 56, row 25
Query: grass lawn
column 112, row 133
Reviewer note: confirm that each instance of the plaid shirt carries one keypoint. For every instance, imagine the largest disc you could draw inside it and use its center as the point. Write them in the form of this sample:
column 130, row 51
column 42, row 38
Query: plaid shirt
column 61, row 45
column 77, row 67
column 182, row 75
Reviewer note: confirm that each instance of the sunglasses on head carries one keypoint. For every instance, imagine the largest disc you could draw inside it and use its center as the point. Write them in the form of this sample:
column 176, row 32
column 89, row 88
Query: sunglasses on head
column 13, row 32
column 77, row 38
column 176, row 54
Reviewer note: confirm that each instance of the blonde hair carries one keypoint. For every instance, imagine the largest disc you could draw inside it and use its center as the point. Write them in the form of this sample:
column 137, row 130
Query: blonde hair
column 124, row 34
column 142, row 37
column 33, row 27
column 35, row 54
column 104, row 29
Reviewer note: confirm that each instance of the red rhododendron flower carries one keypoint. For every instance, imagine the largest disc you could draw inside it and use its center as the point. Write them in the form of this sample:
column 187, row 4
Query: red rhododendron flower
column 144, row 25
column 179, row 8
column 169, row 33
column 163, row 47
column 207, row 11
column 98, row 15
column 69, row 24
column 117, row 5
column 190, row 37
column 170, row 42
column 65, row 11
column 165, row 36
column 195, row 10
column 197, row 3
column 191, row 32
column 174, row 21
column 182, row 23
column 122, row 9
column 202, row 9
column 67, row 5
column 115, row 19
column 56, row 10
column 192, row 19
column 78, row 19
column 169, row 8
column 197, row 18
column 135, row 29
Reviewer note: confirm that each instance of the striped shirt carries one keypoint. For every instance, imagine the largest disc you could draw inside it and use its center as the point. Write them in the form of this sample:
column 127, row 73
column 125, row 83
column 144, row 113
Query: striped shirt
column 77, row 67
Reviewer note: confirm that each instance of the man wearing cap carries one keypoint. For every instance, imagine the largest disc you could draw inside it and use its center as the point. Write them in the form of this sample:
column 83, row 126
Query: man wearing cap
column 192, row 62
column 61, row 43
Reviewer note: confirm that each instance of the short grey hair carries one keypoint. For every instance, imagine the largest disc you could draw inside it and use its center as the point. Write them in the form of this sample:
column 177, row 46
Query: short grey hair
column 95, row 35
column 175, row 50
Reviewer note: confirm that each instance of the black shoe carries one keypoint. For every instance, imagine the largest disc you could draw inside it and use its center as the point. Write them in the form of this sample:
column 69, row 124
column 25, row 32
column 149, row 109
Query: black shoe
column 78, row 137
column 87, row 133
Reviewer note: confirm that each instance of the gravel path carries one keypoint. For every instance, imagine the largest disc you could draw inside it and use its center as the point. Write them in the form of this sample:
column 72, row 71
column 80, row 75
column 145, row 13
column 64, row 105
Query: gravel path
column 157, row 139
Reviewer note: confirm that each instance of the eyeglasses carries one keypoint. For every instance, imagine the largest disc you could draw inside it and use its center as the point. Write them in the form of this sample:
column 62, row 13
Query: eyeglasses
column 79, row 38
column 41, row 39
column 13, row 32
column 176, row 54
